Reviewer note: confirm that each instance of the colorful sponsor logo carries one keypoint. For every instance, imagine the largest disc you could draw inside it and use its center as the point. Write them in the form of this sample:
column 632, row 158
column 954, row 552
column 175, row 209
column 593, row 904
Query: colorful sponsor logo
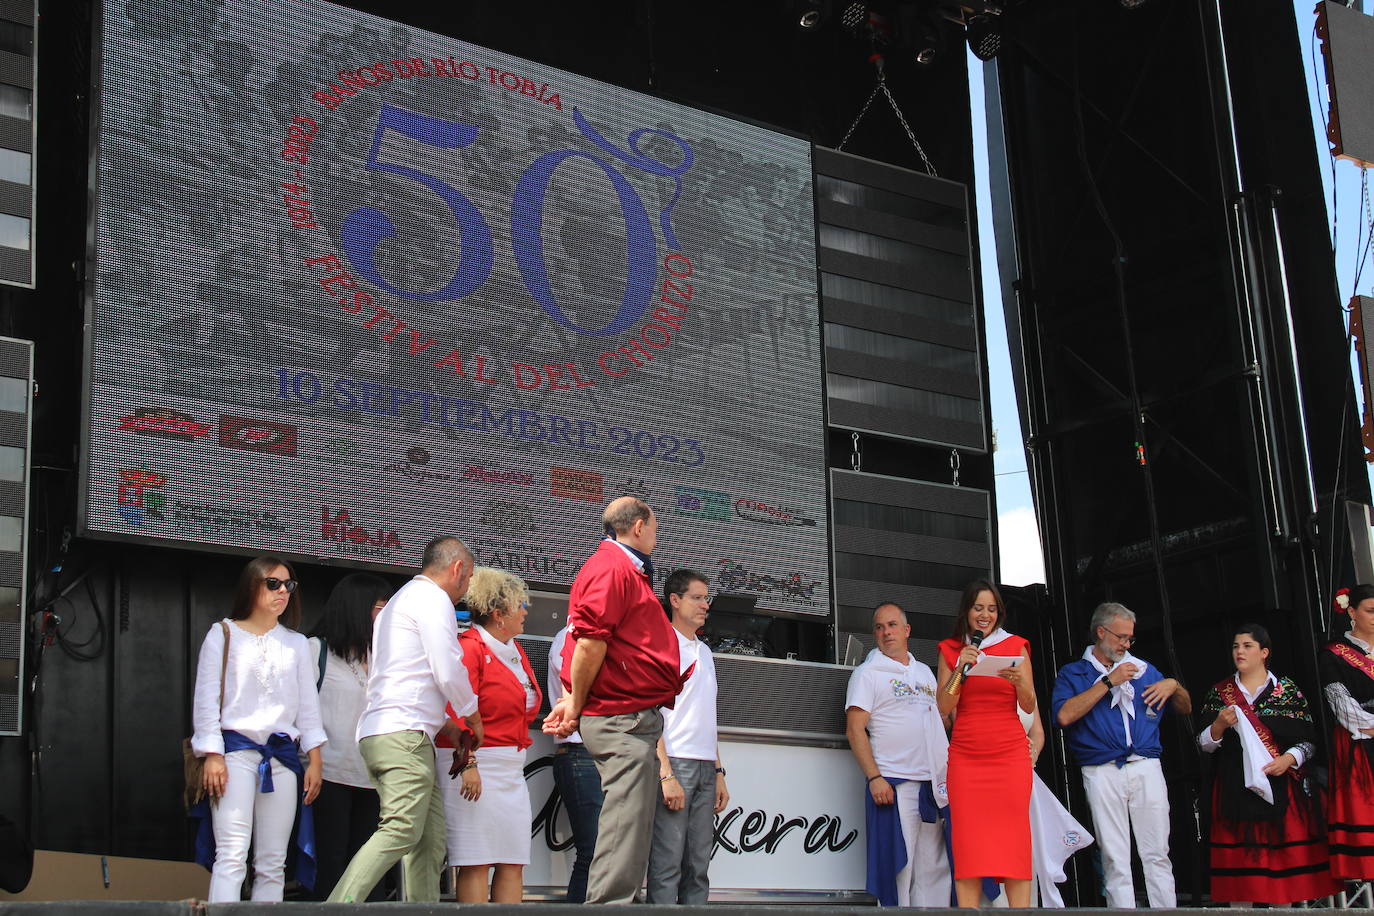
column 415, row 467
column 497, row 475
column 570, row 483
column 164, row 423
column 710, row 504
column 337, row 525
column 1072, row 839
column 755, row 511
column 257, row 435
column 139, row 496
column 734, row 577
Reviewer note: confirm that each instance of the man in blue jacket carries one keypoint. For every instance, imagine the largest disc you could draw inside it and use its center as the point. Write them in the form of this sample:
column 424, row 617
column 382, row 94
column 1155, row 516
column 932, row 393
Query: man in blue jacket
column 1108, row 703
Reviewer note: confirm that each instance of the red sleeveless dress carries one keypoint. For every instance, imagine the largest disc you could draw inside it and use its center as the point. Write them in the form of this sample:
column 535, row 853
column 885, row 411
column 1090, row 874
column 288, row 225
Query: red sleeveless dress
column 989, row 779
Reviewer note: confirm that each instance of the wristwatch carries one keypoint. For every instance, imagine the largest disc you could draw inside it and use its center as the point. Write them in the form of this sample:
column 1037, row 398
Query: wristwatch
column 720, row 770
column 1106, row 680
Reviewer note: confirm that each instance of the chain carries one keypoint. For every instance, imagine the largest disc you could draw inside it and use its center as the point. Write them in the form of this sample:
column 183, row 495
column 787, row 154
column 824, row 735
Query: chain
column 954, row 464
column 863, row 111
column 910, row 134
column 856, row 458
column 1368, row 212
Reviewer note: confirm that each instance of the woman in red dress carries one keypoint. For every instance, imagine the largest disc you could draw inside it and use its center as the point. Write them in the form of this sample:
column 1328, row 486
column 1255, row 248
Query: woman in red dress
column 989, row 779
column 1346, row 667
column 1264, row 850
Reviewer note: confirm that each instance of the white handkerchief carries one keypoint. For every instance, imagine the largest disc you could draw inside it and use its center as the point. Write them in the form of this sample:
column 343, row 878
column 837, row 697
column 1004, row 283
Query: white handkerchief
column 1255, row 757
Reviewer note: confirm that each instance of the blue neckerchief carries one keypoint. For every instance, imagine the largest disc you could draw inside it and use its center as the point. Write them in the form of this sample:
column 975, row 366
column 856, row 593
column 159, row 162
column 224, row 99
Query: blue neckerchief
column 641, row 557
column 284, row 749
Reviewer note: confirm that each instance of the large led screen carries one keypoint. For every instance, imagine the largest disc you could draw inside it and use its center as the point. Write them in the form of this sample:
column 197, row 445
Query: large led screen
column 356, row 284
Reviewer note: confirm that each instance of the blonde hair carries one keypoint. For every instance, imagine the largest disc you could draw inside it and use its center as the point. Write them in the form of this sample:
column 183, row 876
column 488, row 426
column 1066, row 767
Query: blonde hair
column 492, row 592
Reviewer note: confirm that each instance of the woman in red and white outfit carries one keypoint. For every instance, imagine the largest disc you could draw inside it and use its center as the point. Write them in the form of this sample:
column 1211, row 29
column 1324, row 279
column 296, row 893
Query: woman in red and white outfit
column 488, row 807
column 1346, row 668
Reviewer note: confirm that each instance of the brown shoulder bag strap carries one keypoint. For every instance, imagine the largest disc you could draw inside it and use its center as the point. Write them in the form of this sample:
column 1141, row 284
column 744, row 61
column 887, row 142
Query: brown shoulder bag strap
column 223, row 665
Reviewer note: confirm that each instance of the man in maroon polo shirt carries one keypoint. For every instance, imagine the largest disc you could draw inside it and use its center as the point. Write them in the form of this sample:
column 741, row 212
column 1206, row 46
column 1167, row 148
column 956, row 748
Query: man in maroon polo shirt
column 620, row 664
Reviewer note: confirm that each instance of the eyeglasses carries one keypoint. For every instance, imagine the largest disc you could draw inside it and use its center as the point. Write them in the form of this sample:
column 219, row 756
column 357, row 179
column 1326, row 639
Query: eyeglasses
column 1128, row 640
column 273, row 583
column 704, row 599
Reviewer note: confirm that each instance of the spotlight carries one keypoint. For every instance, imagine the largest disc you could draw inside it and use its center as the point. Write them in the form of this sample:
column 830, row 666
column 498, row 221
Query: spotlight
column 925, row 57
column 813, row 13
column 855, row 15
column 984, row 36
column 1133, row 4
column 810, row 19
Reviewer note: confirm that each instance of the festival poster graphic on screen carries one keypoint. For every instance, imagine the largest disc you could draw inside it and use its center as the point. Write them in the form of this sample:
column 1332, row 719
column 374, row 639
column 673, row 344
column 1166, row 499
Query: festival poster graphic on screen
column 357, row 284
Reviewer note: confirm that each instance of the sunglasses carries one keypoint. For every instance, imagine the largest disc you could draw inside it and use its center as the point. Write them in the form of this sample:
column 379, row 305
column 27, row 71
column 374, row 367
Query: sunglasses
column 273, row 583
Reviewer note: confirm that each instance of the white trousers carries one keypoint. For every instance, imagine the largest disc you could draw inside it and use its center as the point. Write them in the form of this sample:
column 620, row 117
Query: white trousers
column 925, row 879
column 243, row 816
column 1125, row 800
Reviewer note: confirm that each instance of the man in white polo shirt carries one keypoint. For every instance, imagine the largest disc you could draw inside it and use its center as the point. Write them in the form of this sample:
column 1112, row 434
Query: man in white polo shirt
column 899, row 741
column 417, row 667
column 688, row 758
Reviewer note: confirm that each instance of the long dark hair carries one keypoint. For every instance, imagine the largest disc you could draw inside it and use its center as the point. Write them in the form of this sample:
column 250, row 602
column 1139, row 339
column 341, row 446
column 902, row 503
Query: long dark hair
column 966, row 600
column 251, row 579
column 346, row 624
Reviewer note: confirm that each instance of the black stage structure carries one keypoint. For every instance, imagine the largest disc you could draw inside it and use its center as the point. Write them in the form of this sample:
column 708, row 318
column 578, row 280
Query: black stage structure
column 1199, row 198
column 1179, row 342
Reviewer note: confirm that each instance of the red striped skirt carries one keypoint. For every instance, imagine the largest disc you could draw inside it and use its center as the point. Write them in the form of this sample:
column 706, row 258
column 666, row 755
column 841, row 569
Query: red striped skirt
column 1350, row 809
column 1274, row 862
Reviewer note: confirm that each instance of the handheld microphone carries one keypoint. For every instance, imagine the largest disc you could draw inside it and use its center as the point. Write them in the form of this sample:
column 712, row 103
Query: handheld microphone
column 975, row 639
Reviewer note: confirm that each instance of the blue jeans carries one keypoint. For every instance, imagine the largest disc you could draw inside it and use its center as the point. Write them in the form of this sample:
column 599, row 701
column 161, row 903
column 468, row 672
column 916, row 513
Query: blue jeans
column 579, row 786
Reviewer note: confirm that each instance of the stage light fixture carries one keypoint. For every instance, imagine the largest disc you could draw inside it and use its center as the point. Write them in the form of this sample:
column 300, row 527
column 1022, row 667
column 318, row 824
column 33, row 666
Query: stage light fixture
column 813, row 13
column 984, row 36
column 810, row 19
column 855, row 15
column 1133, row 4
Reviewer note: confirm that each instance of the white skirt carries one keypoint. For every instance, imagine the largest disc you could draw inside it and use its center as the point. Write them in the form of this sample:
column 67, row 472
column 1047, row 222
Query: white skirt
column 495, row 829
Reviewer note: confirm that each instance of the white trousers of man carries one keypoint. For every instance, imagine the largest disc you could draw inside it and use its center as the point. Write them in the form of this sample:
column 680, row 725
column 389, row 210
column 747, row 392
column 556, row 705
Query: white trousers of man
column 246, row 816
column 925, row 879
column 1125, row 800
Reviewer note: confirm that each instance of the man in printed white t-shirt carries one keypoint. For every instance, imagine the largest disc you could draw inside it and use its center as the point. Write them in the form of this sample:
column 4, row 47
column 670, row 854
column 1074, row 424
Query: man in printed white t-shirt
column 689, row 767
column 899, row 741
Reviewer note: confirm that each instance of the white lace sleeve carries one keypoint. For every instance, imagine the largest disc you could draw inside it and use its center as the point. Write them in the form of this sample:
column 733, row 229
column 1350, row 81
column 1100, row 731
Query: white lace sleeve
column 1349, row 712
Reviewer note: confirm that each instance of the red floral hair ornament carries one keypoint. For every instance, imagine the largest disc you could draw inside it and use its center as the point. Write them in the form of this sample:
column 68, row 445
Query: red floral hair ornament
column 1341, row 603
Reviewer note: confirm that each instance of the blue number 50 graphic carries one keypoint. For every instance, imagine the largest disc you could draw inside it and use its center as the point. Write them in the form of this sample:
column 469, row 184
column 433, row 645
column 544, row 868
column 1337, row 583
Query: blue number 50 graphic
column 367, row 227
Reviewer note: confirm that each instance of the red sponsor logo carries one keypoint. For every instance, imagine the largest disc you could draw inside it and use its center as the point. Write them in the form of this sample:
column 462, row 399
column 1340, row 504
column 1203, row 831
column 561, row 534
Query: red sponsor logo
column 570, row 483
column 164, row 423
column 338, row 525
column 257, row 435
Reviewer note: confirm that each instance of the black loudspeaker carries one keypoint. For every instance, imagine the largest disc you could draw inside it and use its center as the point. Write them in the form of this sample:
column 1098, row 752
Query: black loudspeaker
column 1362, row 318
column 16, row 401
column 1347, row 40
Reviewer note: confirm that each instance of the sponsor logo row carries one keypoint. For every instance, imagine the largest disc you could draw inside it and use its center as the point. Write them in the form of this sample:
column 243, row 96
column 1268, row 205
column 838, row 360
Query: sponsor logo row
column 416, row 465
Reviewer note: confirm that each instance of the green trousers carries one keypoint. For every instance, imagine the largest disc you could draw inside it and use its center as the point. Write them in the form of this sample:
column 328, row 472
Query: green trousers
column 401, row 767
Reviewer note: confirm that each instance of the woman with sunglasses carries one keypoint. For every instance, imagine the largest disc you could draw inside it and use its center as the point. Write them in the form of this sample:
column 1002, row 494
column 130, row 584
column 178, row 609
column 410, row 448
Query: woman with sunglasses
column 252, row 738
column 487, row 807
column 1268, row 843
column 347, row 810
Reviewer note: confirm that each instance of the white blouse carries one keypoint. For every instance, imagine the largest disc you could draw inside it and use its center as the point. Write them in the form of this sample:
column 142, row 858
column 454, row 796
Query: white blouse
column 269, row 687
column 509, row 654
column 343, row 695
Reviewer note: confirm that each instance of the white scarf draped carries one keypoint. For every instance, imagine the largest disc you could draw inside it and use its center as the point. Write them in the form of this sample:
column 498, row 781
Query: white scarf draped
column 1123, row 694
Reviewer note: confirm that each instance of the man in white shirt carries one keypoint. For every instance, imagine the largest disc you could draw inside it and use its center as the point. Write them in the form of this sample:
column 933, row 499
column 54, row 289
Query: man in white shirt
column 899, row 741
column 689, row 767
column 417, row 668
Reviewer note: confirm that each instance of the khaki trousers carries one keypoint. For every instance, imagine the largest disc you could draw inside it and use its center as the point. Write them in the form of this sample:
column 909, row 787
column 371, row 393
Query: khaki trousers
column 401, row 767
column 624, row 748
